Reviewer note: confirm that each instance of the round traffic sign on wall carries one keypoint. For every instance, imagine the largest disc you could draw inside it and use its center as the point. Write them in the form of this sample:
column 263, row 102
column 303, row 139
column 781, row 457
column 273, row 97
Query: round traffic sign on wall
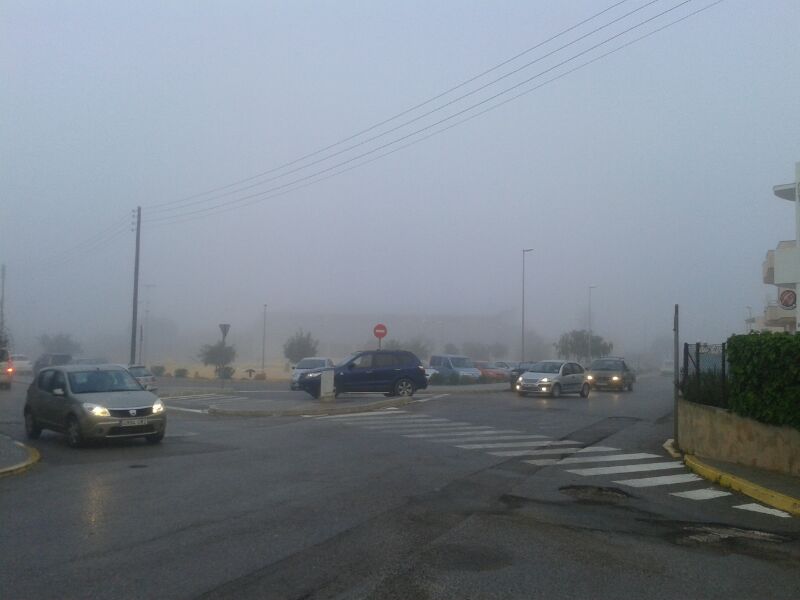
column 788, row 299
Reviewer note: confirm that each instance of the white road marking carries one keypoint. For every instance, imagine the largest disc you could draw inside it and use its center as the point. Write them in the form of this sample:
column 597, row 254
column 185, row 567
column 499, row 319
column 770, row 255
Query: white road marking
column 491, row 438
column 364, row 414
column 192, row 410
column 185, row 434
column 584, row 459
column 432, row 397
column 661, row 466
column 705, row 494
column 421, row 425
column 554, row 451
column 763, row 509
column 662, row 480
column 393, row 422
column 517, row 444
column 187, row 396
column 477, row 430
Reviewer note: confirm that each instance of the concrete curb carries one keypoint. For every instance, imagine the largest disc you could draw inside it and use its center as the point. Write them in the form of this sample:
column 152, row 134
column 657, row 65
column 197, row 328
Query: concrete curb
column 33, row 457
column 760, row 493
column 312, row 410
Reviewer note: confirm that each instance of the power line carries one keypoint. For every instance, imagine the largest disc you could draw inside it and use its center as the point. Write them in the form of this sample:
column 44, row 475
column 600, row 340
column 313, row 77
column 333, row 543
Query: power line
column 393, row 117
column 178, row 206
column 239, row 201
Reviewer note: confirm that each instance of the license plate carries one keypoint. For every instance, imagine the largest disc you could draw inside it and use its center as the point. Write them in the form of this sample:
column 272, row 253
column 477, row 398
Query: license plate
column 132, row 422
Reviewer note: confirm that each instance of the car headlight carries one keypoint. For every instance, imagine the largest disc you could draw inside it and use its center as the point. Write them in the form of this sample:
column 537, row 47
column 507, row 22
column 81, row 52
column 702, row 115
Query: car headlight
column 158, row 407
column 589, row 377
column 615, row 378
column 519, row 379
column 544, row 380
column 96, row 410
column 312, row 375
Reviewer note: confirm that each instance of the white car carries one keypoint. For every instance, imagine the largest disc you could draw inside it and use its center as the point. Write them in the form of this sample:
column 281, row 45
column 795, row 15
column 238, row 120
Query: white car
column 22, row 364
column 306, row 365
column 553, row 378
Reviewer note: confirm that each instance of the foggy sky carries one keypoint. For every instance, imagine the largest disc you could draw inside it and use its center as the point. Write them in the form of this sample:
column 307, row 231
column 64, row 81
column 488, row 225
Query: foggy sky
column 648, row 174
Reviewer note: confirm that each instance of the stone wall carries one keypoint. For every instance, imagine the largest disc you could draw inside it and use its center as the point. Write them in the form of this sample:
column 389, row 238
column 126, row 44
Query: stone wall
column 720, row 434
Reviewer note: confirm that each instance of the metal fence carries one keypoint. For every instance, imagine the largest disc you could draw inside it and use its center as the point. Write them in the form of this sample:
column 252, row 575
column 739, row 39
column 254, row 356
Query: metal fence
column 704, row 374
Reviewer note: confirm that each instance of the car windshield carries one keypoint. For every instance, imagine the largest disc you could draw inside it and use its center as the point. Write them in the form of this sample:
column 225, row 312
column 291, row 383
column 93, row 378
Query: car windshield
column 311, row 363
column 139, row 372
column 606, row 365
column 461, row 362
column 545, row 367
column 96, row 381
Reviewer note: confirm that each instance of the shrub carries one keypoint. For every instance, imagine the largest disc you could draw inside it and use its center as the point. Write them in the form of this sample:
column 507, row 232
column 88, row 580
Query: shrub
column 158, row 370
column 260, row 377
column 181, row 373
column 765, row 377
column 454, row 379
column 226, row 372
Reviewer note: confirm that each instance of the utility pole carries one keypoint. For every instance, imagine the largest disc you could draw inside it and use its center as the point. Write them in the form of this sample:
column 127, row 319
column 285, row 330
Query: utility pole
column 2, row 302
column 136, row 285
column 591, row 287
column 522, row 345
column 264, row 340
column 676, row 379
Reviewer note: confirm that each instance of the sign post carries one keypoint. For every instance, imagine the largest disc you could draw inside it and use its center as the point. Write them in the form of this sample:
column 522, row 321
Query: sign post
column 224, row 328
column 379, row 331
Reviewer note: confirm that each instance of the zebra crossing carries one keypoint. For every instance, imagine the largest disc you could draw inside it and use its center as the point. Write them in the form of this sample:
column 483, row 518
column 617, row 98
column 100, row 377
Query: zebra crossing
column 638, row 470
column 197, row 403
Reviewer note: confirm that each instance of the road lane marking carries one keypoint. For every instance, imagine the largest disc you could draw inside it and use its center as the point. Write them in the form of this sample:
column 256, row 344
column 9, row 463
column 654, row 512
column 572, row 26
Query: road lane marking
column 661, row 466
column 586, row 459
column 188, row 396
column 484, row 430
column 421, row 425
column 547, row 451
column 422, row 399
column 191, row 410
column 662, row 480
column 518, row 444
column 491, row 438
column 763, row 509
column 705, row 494
column 364, row 414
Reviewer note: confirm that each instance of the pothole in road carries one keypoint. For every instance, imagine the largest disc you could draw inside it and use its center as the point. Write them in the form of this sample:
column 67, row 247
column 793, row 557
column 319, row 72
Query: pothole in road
column 592, row 493
column 137, row 466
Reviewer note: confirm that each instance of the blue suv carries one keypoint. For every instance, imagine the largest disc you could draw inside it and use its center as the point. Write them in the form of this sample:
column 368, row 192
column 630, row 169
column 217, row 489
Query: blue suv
column 393, row 372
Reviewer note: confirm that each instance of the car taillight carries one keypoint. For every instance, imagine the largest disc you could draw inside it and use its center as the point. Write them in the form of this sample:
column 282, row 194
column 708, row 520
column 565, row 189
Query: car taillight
column 10, row 370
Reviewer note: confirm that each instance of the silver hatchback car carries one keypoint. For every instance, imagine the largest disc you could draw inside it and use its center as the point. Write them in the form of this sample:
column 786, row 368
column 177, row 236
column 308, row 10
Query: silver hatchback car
column 553, row 378
column 93, row 402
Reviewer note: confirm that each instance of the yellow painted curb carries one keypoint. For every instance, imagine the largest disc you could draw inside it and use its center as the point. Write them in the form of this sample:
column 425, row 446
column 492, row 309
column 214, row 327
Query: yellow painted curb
column 33, row 457
column 760, row 493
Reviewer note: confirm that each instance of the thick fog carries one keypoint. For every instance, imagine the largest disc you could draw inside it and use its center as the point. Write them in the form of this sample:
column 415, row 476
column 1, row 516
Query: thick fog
column 647, row 173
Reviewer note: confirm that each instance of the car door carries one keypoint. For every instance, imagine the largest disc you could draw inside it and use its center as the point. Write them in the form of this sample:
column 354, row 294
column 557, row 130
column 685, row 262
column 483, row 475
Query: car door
column 579, row 373
column 57, row 404
column 387, row 368
column 40, row 394
column 355, row 375
column 565, row 377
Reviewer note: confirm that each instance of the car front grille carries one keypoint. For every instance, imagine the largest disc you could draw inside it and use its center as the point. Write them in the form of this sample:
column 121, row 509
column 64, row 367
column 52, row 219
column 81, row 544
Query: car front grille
column 125, row 413
column 132, row 430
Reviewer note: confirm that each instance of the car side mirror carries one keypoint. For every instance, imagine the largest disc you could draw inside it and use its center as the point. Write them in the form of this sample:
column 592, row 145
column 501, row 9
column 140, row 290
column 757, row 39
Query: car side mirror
column 58, row 392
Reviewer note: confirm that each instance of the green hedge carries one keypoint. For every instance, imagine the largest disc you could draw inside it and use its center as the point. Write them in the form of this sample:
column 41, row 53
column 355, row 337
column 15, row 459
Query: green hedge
column 765, row 377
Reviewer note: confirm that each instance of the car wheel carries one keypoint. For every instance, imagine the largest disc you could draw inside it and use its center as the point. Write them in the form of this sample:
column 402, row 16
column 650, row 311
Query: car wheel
column 74, row 435
column 556, row 391
column 585, row 390
column 404, row 388
column 155, row 438
column 32, row 429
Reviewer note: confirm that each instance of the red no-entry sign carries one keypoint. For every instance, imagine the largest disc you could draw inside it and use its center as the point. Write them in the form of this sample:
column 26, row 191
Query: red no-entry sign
column 380, row 331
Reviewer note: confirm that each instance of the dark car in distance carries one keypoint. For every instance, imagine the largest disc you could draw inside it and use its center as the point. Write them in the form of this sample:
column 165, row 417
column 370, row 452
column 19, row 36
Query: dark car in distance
column 392, row 372
column 611, row 373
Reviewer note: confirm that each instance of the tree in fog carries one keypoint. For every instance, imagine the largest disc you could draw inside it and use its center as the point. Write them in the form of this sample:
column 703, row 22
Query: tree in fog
column 450, row 348
column 299, row 346
column 417, row 345
column 60, row 343
column 476, row 350
column 575, row 344
column 221, row 356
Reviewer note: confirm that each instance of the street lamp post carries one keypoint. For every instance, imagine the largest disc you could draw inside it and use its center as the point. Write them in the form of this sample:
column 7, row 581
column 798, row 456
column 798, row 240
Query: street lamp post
column 264, row 340
column 522, row 345
column 591, row 287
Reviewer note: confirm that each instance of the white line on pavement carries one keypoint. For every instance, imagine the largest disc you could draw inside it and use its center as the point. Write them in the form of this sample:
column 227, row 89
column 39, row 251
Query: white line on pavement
column 478, row 430
column 661, row 466
column 189, row 397
column 585, row 459
column 399, row 420
column 705, row 494
column 763, row 509
column 432, row 397
column 421, row 425
column 662, row 480
column 364, row 414
column 192, row 410
column 517, row 444
column 554, row 451
column 491, row 438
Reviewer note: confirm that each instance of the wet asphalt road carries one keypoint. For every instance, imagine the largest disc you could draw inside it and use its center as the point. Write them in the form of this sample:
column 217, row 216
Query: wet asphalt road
column 427, row 502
